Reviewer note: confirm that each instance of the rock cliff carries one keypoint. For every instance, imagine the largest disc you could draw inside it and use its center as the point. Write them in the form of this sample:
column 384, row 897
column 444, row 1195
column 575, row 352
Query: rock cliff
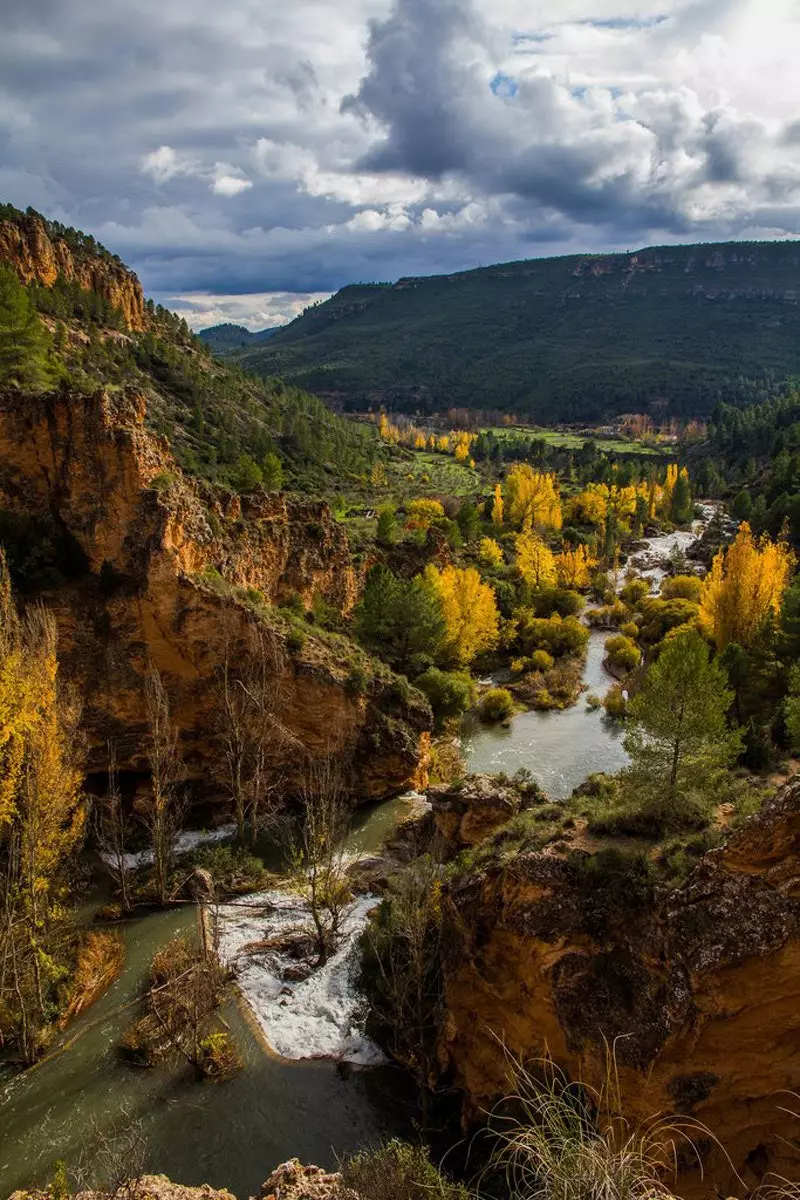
column 698, row 988
column 166, row 570
column 40, row 253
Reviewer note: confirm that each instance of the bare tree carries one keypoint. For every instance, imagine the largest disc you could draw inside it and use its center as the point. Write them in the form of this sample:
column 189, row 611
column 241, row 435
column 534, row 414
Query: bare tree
column 115, row 1160
column 321, row 863
column 163, row 812
column 112, row 826
column 404, row 965
column 252, row 738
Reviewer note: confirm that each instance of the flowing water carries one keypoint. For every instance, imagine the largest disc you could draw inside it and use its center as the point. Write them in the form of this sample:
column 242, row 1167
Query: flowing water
column 562, row 748
column 230, row 1135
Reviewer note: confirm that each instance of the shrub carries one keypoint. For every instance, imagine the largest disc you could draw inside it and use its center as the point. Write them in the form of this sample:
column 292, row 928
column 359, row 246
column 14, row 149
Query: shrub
column 295, row 640
column 614, row 702
column 397, row 1171
column 682, row 587
column 564, row 601
column 622, row 654
column 593, row 701
column 635, row 591
column 557, row 636
column 496, row 705
column 449, row 692
column 630, row 629
column 540, row 660
column 660, row 616
column 357, row 681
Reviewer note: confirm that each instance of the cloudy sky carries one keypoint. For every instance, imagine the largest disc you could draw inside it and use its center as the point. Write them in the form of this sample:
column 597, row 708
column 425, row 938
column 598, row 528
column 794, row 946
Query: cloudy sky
column 249, row 156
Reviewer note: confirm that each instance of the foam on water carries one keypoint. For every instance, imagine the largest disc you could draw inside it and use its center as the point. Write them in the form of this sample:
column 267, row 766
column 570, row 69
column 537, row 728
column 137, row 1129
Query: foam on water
column 318, row 1017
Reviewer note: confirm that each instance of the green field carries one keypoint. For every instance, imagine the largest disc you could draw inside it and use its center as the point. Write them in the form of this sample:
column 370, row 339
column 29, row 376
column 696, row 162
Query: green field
column 574, row 441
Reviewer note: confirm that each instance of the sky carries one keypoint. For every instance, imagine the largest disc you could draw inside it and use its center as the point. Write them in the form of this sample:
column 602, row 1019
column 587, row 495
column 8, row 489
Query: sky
column 248, row 158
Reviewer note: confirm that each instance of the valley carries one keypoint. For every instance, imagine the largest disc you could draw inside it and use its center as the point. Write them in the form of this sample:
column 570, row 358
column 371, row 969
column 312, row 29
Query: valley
column 358, row 770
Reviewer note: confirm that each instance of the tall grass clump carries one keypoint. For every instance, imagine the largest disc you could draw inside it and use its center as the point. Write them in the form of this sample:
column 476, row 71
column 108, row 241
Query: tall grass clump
column 560, row 1140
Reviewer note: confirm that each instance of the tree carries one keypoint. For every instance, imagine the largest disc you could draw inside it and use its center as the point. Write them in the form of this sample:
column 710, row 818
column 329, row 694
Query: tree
column 246, row 475
column 321, row 872
column 677, row 733
column 42, row 817
column 742, row 506
column 469, row 609
column 531, row 498
column 535, row 561
column 574, row 566
column 252, row 739
column 24, row 342
column 490, row 552
column 387, row 525
column 422, row 513
column 497, row 505
column 681, row 506
column 400, row 620
column 272, row 471
column 112, row 830
column 163, row 810
column 745, row 584
column 469, row 521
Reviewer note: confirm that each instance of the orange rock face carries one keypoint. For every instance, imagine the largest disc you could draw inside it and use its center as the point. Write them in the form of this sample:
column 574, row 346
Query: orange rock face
column 164, row 567
column 36, row 257
column 698, row 988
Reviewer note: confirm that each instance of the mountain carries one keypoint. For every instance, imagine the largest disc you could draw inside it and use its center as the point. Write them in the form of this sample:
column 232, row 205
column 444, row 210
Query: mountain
column 579, row 338
column 219, row 422
column 224, row 339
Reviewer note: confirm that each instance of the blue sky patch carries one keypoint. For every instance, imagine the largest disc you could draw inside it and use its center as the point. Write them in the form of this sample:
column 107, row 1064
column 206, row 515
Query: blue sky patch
column 504, row 86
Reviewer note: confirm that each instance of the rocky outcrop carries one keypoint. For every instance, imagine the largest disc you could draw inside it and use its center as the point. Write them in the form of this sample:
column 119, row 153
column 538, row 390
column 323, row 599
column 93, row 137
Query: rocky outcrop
column 148, row 1187
column 466, row 812
column 40, row 255
column 174, row 573
column 292, row 1181
column 697, row 989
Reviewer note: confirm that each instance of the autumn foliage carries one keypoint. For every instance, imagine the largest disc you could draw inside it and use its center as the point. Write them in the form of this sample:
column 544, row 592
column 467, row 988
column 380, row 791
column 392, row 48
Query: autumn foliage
column 469, row 609
column 745, row 584
column 532, row 498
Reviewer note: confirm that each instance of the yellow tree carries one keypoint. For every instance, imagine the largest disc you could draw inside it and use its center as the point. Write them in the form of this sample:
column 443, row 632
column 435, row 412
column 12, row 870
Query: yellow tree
column 532, row 497
column 535, row 561
column 574, row 565
column 469, row 609
column 744, row 585
column 589, row 506
column 461, row 452
column 497, row 505
column 421, row 514
column 41, row 811
column 490, row 552
column 668, row 488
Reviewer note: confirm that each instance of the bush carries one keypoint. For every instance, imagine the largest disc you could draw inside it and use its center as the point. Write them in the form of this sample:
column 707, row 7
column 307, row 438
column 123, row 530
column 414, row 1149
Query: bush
column 614, row 702
column 496, row 705
column 630, row 629
column 634, row 592
column 660, row 616
column 449, row 692
column 540, row 660
column 682, row 587
column 295, row 640
column 357, row 681
column 557, row 636
column 622, row 654
column 562, row 601
column 397, row 1171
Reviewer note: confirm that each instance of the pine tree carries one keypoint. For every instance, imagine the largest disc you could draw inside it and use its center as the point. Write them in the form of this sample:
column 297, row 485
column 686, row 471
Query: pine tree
column 24, row 342
column 677, row 734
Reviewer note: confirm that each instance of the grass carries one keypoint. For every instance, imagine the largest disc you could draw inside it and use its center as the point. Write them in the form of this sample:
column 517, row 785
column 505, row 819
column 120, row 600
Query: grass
column 568, row 1141
column 575, row 441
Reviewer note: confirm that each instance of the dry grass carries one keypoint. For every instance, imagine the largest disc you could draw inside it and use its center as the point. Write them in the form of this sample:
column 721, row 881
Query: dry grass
column 568, row 1141
column 99, row 961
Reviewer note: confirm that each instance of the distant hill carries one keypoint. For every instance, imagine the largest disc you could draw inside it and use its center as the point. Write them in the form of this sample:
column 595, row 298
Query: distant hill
column 224, row 339
column 579, row 338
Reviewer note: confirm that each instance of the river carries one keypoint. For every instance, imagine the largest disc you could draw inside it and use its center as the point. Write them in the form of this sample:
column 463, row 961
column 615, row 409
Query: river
column 562, row 748
column 233, row 1134
column 229, row 1135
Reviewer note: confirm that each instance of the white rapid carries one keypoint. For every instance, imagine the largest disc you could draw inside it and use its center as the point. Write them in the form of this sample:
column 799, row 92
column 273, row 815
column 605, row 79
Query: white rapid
column 316, row 1017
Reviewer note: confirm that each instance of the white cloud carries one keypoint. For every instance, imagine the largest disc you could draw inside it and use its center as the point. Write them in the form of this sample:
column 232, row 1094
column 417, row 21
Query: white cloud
column 257, row 310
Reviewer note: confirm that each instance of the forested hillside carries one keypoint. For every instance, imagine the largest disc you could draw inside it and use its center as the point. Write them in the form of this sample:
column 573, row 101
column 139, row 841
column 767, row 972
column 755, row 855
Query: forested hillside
column 579, row 338
column 98, row 331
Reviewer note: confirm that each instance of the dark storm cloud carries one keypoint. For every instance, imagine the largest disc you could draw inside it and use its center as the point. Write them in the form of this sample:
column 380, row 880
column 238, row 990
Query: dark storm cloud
column 260, row 146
